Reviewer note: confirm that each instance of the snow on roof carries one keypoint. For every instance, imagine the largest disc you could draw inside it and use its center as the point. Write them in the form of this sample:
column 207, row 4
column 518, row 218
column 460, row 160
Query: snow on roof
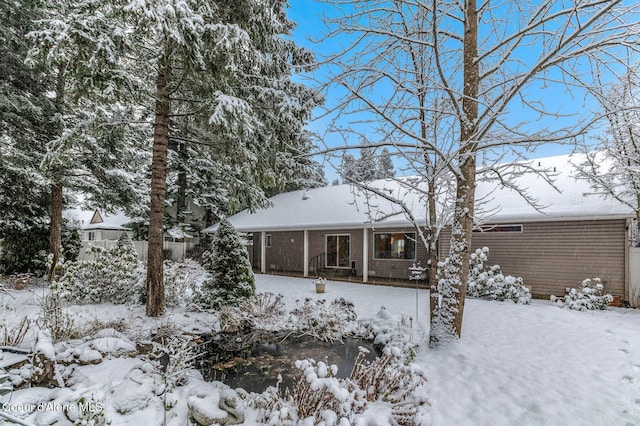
column 82, row 219
column 342, row 207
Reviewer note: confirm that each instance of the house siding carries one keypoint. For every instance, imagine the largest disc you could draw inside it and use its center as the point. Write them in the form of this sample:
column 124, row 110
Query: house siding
column 286, row 254
column 394, row 269
column 553, row 256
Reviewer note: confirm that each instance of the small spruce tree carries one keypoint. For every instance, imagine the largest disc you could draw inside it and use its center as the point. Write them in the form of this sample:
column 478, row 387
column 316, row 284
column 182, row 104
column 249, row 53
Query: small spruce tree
column 231, row 276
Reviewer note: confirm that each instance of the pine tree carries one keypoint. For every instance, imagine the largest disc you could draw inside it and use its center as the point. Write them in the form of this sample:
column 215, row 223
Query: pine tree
column 232, row 278
column 93, row 147
column 23, row 126
column 385, row 165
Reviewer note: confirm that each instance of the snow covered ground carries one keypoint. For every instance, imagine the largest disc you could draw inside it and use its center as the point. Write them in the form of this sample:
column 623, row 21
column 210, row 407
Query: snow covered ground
column 515, row 364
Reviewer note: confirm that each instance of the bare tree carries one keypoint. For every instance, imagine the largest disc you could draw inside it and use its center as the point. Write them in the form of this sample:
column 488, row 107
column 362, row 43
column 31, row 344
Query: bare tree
column 457, row 87
column 613, row 165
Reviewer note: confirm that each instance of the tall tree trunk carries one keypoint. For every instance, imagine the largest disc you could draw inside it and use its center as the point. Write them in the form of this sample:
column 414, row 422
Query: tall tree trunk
column 155, row 281
column 432, row 239
column 55, row 224
column 456, row 274
column 466, row 182
column 55, row 227
column 181, row 204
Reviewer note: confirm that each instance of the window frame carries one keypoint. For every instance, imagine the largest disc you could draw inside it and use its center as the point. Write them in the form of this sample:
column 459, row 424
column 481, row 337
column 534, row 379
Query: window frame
column 326, row 250
column 503, row 228
column 408, row 236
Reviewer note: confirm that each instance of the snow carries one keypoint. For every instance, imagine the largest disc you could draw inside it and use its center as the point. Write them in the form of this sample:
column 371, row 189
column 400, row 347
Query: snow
column 82, row 219
column 341, row 207
column 531, row 364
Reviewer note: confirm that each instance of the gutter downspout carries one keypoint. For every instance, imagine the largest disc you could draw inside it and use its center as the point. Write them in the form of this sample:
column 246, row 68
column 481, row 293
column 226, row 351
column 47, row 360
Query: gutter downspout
column 263, row 252
column 365, row 255
column 305, row 254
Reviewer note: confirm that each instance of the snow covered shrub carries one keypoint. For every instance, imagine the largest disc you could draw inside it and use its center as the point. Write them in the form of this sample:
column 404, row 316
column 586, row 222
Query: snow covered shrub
column 488, row 282
column 179, row 353
column 328, row 322
column 590, row 296
column 318, row 394
column 228, row 263
column 55, row 318
column 24, row 249
column 180, row 280
column 319, row 398
column 13, row 336
column 111, row 276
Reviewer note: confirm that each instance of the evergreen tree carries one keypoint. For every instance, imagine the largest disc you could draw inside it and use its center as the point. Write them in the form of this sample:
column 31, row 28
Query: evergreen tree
column 385, row 165
column 367, row 165
column 94, row 148
column 231, row 275
column 370, row 166
column 225, row 100
column 23, row 126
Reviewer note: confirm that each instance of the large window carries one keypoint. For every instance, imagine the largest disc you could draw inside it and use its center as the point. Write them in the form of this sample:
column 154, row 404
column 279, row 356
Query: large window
column 338, row 251
column 401, row 245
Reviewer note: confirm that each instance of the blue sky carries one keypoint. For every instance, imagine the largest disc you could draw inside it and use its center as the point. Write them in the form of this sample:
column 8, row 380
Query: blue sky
column 307, row 14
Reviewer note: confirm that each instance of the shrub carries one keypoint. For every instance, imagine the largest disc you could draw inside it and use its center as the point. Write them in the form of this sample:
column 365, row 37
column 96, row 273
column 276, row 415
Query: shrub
column 111, row 276
column 25, row 249
column 318, row 397
column 228, row 263
column 590, row 296
column 180, row 281
column 490, row 282
column 328, row 322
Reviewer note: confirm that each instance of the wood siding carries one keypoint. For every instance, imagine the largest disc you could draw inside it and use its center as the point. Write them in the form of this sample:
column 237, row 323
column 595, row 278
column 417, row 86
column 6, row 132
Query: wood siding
column 287, row 251
column 393, row 269
column 553, row 256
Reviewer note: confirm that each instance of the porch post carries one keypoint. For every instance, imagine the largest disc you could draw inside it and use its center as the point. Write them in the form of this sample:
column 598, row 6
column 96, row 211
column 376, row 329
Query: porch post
column 305, row 254
column 263, row 252
column 365, row 255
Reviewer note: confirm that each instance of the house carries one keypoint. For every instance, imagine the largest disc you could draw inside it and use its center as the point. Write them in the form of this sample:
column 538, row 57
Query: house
column 100, row 229
column 96, row 226
column 567, row 235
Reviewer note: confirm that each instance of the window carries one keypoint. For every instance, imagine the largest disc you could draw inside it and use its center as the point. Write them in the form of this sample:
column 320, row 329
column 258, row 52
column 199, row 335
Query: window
column 337, row 249
column 399, row 245
column 92, row 236
column 267, row 242
column 498, row 228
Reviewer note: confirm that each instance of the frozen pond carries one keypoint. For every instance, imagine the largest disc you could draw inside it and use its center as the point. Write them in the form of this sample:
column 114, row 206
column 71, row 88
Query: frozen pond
column 256, row 366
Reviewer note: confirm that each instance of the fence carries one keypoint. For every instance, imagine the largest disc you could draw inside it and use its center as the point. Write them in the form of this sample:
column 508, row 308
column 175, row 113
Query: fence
column 174, row 251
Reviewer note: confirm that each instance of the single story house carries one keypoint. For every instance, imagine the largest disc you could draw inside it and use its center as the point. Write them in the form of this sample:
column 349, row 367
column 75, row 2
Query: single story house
column 96, row 226
column 571, row 234
column 100, row 229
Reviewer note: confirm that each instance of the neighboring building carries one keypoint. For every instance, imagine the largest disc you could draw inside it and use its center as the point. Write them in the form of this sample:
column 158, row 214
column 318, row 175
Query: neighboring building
column 573, row 233
column 96, row 226
column 100, row 229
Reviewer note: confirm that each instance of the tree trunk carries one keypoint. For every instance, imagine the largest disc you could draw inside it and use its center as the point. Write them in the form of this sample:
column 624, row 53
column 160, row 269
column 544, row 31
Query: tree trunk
column 55, row 226
column 181, row 204
column 466, row 182
column 432, row 239
column 155, row 281
column 455, row 276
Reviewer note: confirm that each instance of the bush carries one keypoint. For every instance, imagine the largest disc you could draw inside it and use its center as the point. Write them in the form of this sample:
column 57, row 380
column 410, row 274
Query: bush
column 113, row 276
column 180, row 281
column 490, row 283
column 25, row 249
column 319, row 398
column 228, row 263
column 590, row 296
